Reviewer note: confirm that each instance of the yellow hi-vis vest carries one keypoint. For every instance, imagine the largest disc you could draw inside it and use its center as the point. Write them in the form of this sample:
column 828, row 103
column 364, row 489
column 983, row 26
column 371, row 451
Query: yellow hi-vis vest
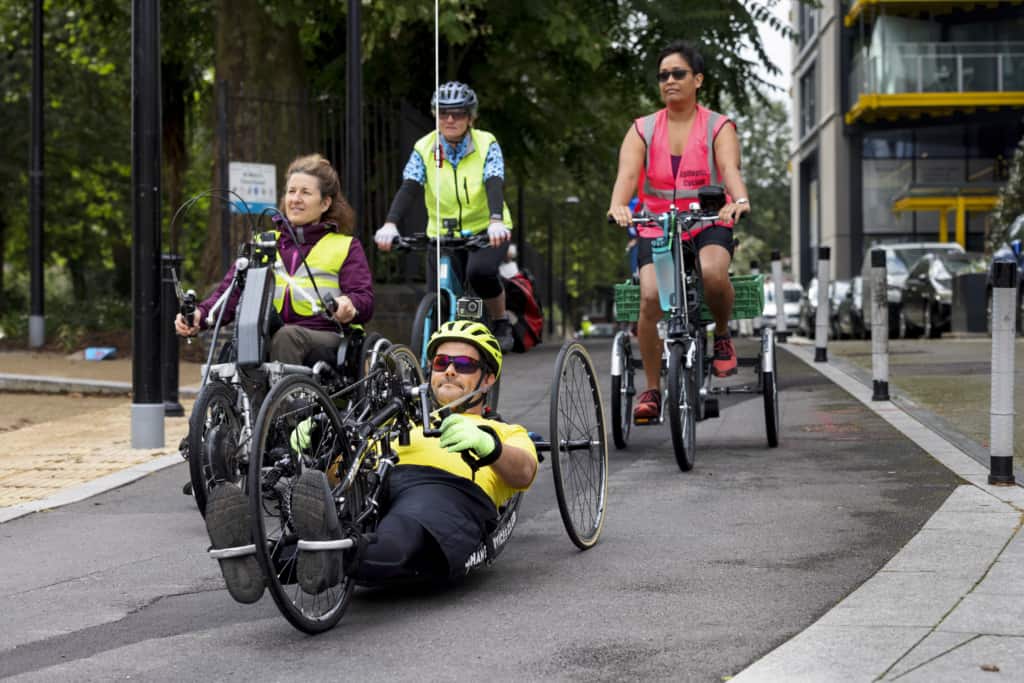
column 325, row 260
column 463, row 196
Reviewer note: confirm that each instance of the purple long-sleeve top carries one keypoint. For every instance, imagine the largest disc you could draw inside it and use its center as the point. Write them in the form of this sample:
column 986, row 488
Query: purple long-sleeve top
column 354, row 280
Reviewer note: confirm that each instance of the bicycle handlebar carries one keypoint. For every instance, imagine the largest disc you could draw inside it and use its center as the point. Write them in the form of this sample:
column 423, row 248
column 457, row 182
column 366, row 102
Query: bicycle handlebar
column 421, row 241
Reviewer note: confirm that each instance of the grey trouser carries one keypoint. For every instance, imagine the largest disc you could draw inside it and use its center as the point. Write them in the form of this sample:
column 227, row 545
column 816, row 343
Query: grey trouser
column 291, row 343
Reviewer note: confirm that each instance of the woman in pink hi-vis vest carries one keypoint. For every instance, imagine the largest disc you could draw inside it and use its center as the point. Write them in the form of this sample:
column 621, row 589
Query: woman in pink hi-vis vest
column 668, row 156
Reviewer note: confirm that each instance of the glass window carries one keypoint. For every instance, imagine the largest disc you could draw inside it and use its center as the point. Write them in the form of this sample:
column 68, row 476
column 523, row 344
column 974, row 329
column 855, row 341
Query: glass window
column 808, row 100
column 808, row 23
column 883, row 180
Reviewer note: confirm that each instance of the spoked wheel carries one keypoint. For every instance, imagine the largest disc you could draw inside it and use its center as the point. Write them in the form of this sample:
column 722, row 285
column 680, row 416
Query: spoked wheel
column 216, row 451
column 373, row 344
column 579, row 448
column 426, row 322
column 622, row 389
column 298, row 427
column 770, row 389
column 682, row 404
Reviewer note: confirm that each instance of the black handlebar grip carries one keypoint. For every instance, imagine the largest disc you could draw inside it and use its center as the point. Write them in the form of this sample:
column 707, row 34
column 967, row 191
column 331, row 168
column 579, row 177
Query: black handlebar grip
column 330, row 305
column 188, row 307
column 428, row 429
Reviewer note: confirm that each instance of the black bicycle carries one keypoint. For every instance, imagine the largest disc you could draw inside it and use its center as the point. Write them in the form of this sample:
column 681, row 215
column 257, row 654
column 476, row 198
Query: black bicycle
column 351, row 435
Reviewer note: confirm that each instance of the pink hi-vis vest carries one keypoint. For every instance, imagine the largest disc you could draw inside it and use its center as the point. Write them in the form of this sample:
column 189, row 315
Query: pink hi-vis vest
column 658, row 188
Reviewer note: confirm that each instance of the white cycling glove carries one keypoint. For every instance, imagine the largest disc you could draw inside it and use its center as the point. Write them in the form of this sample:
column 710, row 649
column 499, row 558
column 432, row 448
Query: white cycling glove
column 385, row 236
column 498, row 233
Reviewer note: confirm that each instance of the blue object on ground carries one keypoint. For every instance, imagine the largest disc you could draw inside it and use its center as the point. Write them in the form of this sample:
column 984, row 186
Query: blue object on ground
column 100, row 353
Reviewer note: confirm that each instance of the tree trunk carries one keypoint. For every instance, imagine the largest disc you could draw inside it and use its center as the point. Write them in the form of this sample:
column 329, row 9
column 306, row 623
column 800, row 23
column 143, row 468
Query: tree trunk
column 174, row 86
column 267, row 122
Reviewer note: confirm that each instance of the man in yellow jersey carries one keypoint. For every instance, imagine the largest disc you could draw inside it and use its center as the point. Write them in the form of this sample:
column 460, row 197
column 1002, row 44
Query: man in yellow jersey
column 439, row 508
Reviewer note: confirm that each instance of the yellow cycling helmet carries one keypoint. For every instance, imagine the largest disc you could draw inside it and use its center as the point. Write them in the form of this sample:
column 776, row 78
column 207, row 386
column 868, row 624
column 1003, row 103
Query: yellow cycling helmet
column 470, row 332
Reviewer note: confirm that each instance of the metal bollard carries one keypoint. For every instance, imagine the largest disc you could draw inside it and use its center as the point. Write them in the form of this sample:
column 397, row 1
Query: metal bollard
column 1004, row 325
column 780, row 297
column 879, row 327
column 168, row 339
column 822, row 316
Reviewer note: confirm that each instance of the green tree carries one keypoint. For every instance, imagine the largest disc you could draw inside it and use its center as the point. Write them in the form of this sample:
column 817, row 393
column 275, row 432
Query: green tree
column 1011, row 202
column 764, row 142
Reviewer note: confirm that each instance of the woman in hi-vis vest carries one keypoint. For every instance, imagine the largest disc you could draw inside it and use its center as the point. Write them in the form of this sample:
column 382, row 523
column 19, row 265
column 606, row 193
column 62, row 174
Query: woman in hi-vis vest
column 472, row 191
column 323, row 222
column 668, row 156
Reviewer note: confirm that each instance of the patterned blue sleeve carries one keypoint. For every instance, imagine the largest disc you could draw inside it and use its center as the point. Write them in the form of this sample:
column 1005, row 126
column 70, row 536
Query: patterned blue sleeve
column 415, row 169
column 494, row 163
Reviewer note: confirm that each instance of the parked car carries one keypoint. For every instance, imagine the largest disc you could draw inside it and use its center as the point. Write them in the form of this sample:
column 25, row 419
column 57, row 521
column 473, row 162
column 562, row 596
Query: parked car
column 1013, row 251
column 898, row 259
column 927, row 300
column 792, row 293
column 809, row 306
column 850, row 311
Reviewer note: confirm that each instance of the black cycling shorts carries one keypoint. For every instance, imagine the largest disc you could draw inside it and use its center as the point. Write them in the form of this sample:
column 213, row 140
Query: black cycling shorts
column 715, row 234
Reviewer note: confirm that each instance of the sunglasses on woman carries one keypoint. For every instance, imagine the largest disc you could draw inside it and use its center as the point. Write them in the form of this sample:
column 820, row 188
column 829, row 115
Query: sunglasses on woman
column 464, row 365
column 678, row 74
column 455, row 114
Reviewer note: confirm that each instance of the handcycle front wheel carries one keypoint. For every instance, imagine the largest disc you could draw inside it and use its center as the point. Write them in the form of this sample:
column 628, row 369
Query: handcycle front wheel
column 622, row 389
column 682, row 403
column 214, row 448
column 296, row 405
column 579, row 447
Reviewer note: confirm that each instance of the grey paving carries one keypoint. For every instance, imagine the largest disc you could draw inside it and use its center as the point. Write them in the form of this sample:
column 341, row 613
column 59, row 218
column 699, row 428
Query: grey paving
column 948, row 607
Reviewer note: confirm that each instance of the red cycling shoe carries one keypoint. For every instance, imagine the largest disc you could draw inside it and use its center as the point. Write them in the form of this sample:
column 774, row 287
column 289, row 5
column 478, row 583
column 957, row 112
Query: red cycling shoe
column 724, row 362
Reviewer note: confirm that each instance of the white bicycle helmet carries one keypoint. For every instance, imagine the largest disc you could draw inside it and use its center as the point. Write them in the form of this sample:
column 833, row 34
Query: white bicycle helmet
column 454, row 95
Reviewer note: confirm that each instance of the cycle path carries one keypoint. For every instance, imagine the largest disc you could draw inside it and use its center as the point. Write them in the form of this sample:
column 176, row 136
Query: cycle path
column 946, row 607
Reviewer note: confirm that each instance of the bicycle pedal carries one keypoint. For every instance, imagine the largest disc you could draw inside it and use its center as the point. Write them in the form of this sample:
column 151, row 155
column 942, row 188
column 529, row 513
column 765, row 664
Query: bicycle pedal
column 643, row 421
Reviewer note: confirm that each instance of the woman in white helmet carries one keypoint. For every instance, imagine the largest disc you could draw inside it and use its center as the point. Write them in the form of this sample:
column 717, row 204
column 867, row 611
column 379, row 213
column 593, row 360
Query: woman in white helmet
column 471, row 188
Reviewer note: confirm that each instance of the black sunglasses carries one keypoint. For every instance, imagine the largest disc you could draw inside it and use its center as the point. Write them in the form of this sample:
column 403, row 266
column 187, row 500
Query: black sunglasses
column 457, row 114
column 464, row 365
column 678, row 74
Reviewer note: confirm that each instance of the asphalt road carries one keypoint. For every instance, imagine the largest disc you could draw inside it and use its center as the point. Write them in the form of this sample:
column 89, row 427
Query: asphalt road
column 695, row 576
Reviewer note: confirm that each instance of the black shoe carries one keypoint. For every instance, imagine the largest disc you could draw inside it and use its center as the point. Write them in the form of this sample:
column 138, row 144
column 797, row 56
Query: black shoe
column 227, row 522
column 316, row 519
column 503, row 333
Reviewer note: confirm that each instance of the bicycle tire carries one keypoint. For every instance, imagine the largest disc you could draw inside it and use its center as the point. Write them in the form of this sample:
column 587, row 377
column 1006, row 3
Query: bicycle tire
column 366, row 353
column 425, row 323
column 577, row 417
column 770, row 392
column 682, row 415
column 622, row 393
column 293, row 400
column 214, row 427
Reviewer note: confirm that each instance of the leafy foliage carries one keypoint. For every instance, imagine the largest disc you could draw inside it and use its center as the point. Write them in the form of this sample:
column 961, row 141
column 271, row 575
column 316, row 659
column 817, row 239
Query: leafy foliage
column 559, row 81
column 1011, row 201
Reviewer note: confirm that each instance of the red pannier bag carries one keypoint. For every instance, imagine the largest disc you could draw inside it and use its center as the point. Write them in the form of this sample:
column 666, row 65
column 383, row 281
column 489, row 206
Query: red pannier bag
column 527, row 316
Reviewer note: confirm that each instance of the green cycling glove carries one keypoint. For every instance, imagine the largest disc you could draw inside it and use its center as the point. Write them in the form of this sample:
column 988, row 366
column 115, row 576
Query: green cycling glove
column 459, row 433
column 302, row 435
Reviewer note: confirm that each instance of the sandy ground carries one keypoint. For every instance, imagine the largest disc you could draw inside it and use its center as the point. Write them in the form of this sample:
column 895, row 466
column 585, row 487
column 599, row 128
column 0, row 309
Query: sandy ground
column 57, row 365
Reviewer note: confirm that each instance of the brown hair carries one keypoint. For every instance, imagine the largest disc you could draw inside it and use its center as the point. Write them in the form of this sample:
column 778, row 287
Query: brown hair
column 340, row 211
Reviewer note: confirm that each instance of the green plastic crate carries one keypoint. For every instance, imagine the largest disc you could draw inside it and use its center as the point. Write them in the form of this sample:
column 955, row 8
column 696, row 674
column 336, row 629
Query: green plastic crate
column 627, row 302
column 749, row 302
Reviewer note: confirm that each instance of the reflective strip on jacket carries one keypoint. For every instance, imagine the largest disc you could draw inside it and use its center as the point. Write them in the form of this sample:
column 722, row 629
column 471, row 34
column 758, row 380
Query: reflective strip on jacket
column 463, row 195
column 658, row 188
column 324, row 260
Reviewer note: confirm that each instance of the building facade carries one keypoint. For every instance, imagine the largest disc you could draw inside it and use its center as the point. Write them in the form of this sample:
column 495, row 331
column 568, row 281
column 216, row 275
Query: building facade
column 906, row 115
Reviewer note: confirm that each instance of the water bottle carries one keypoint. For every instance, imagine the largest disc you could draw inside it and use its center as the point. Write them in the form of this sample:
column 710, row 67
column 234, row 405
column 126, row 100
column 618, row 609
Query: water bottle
column 665, row 270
